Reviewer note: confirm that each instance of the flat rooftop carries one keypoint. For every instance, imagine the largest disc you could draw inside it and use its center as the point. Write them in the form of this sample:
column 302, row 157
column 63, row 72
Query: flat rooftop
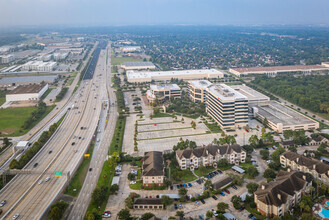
column 131, row 64
column 200, row 83
column 164, row 87
column 280, row 68
column 28, row 79
column 225, row 92
column 253, row 95
column 134, row 75
column 23, row 89
column 277, row 113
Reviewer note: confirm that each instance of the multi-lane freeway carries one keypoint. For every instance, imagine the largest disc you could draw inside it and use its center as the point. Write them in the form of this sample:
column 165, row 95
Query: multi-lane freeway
column 30, row 195
column 106, row 128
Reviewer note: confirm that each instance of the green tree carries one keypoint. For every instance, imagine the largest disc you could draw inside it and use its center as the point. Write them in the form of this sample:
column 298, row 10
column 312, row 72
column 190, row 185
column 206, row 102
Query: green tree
column 237, row 180
column 147, row 216
column 55, row 214
column 276, row 154
column 287, row 134
column 222, row 206
column 252, row 172
column 269, row 173
column 113, row 160
column 265, row 122
column 252, row 187
column 156, row 111
column 208, row 184
column 99, row 195
column 265, row 154
column 209, row 214
column 131, row 176
column 124, row 214
column 180, row 214
column 292, row 148
column 182, row 191
column 253, row 141
column 263, row 130
column 166, row 200
column 222, row 163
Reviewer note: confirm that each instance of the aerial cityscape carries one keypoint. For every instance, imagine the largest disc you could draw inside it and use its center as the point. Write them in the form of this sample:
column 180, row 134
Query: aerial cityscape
column 164, row 109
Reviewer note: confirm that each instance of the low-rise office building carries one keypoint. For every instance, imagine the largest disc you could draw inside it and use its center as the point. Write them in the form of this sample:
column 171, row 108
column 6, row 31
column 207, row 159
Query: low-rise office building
column 39, row 66
column 295, row 161
column 148, row 203
column 153, row 172
column 128, row 49
column 138, row 66
column 150, row 76
column 27, row 92
column 278, row 197
column 252, row 95
column 227, row 107
column 281, row 118
column 209, row 156
column 163, row 92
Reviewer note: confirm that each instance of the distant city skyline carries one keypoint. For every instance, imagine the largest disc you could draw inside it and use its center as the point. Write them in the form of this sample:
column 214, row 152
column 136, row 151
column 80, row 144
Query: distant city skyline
column 160, row 12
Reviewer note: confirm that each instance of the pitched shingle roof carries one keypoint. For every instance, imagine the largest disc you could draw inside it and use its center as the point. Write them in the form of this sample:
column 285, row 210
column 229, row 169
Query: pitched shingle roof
column 221, row 183
column 153, row 164
column 209, row 150
column 148, row 201
column 286, row 183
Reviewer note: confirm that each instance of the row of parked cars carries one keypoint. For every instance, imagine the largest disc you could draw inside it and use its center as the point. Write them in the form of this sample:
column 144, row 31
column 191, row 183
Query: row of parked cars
column 213, row 173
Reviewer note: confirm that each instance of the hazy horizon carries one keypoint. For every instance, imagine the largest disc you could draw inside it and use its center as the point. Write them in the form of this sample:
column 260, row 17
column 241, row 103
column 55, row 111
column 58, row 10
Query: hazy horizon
column 163, row 12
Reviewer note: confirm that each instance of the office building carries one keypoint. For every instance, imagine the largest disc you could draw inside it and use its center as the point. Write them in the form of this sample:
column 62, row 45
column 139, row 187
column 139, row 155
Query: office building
column 281, row 118
column 153, row 172
column 6, row 59
column 197, row 90
column 128, row 49
column 163, row 92
column 133, row 76
column 227, row 107
column 27, row 92
column 210, row 155
column 278, row 197
column 39, row 66
column 138, row 66
column 295, row 161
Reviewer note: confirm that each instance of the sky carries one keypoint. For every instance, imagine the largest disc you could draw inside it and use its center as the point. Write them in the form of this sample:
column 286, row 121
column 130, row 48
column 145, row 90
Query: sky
column 163, row 12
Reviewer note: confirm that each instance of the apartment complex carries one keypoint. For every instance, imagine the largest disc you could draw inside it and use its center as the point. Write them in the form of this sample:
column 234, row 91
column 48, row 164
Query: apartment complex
column 153, row 169
column 209, row 156
column 6, row 58
column 227, row 107
column 163, row 92
column 278, row 197
column 294, row 161
column 281, row 118
column 197, row 90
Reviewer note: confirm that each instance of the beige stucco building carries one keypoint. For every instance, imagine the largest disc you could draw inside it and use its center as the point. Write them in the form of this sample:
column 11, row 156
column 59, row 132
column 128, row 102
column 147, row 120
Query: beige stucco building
column 294, row 161
column 153, row 172
column 209, row 156
column 278, row 197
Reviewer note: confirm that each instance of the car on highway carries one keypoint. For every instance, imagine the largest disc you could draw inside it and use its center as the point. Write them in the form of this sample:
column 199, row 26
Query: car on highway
column 90, row 169
column 16, row 216
column 35, row 165
column 3, row 203
column 50, row 152
column 73, row 143
column 47, row 179
column 40, row 182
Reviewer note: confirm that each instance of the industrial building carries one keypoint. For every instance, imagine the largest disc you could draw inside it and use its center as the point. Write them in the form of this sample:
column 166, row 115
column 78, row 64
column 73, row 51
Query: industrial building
column 138, row 66
column 74, row 51
column 128, row 49
column 163, row 92
column 133, row 76
column 226, row 106
column 20, row 80
column 60, row 56
column 27, row 92
column 39, row 66
column 273, row 70
column 281, row 118
column 252, row 95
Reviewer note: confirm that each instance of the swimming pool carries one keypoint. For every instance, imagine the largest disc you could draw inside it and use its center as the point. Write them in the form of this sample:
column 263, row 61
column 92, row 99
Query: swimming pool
column 324, row 212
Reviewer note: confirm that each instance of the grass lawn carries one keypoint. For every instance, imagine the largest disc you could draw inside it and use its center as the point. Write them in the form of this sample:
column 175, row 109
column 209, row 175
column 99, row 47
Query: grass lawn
column 120, row 60
column 137, row 186
column 3, row 96
column 70, row 80
column 162, row 115
column 214, row 128
column 203, row 171
column 245, row 165
column 184, row 175
column 254, row 212
column 11, row 120
column 76, row 184
column 225, row 168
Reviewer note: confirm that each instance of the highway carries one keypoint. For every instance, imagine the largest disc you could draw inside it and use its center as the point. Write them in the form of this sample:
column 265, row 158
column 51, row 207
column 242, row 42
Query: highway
column 100, row 151
column 62, row 153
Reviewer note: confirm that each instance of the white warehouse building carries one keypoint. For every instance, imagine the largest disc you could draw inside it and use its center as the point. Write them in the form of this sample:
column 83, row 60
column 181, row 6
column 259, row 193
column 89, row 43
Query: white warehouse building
column 39, row 66
column 27, row 92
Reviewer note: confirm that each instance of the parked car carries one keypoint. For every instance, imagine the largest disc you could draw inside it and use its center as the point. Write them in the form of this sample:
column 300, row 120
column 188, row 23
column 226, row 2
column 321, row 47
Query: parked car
column 203, row 202
column 196, row 202
column 250, row 216
column 3, row 203
column 178, row 186
column 241, row 208
column 223, row 194
column 219, row 171
column 184, row 185
column 16, row 216
column 133, row 182
column 171, row 187
column 227, row 191
column 180, row 206
column 214, row 197
column 189, row 185
column 176, row 206
column 234, row 187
